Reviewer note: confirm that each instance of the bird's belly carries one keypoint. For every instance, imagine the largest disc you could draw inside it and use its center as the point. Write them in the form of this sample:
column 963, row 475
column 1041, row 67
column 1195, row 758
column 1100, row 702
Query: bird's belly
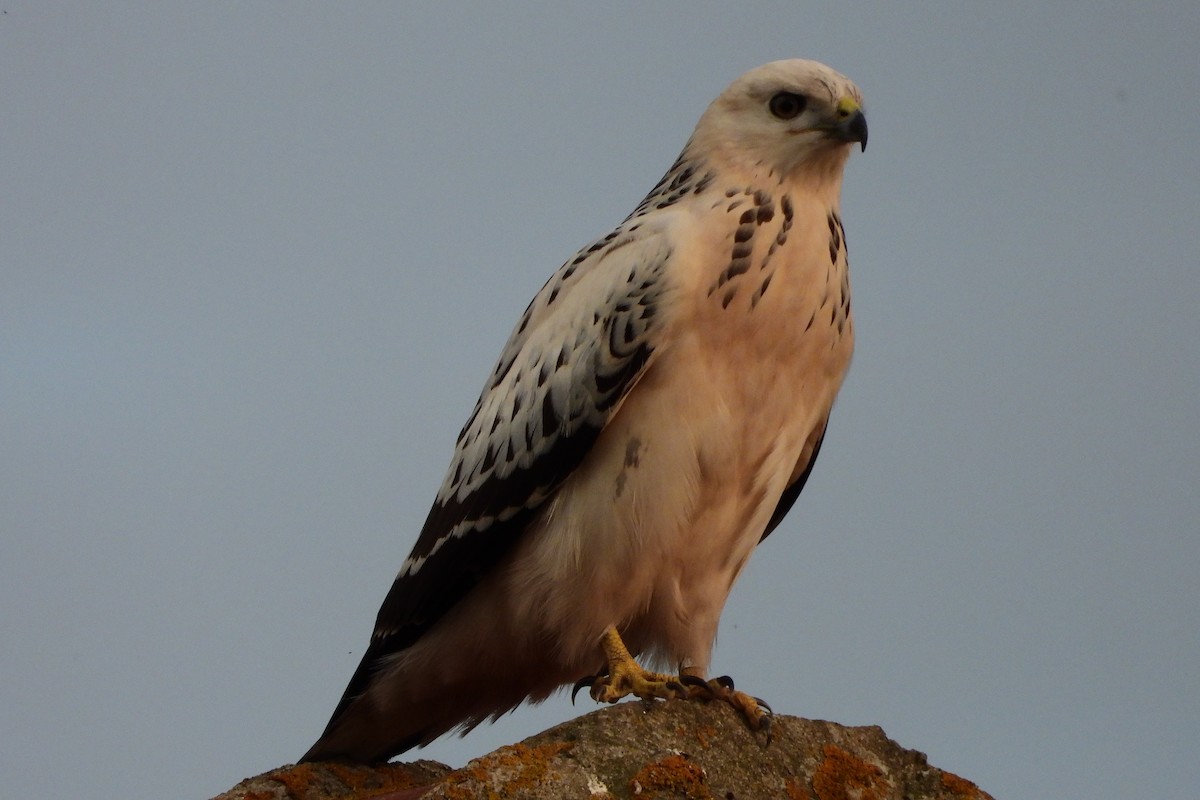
column 651, row 531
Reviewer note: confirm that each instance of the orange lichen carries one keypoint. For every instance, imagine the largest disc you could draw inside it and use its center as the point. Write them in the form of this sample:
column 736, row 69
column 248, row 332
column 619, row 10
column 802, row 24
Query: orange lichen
column 705, row 734
column 299, row 781
column 673, row 776
column 504, row 773
column 960, row 787
column 796, row 790
column 844, row 776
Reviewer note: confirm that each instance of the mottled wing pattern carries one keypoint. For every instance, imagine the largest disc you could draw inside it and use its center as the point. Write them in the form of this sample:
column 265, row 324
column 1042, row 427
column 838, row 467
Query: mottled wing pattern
column 578, row 349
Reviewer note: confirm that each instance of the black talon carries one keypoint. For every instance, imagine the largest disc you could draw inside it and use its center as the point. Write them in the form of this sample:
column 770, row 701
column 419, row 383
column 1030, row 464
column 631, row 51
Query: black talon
column 692, row 680
column 725, row 681
column 763, row 704
column 766, row 728
column 587, row 681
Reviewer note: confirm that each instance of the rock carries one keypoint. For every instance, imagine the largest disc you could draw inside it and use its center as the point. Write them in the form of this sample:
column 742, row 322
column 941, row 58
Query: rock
column 642, row 751
column 329, row 780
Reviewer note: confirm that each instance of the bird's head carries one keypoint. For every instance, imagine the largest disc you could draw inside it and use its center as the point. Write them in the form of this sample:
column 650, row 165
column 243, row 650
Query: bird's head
column 788, row 117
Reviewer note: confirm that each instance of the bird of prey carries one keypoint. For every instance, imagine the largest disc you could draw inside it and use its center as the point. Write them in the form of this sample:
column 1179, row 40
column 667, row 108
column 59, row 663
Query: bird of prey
column 653, row 416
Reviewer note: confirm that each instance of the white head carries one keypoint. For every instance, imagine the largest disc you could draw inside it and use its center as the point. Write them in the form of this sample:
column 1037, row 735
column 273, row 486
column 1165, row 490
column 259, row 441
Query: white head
column 788, row 118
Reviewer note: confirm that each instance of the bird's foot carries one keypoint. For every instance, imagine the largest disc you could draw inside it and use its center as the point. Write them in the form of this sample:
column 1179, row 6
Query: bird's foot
column 624, row 677
column 608, row 687
column 754, row 710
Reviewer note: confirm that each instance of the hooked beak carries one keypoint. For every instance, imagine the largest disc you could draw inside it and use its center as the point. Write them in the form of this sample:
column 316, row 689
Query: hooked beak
column 851, row 124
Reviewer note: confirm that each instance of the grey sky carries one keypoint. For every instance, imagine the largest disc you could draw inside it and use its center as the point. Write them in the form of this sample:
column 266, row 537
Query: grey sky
column 256, row 260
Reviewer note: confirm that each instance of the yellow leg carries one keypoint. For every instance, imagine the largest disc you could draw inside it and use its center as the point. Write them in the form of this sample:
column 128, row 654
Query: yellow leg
column 627, row 677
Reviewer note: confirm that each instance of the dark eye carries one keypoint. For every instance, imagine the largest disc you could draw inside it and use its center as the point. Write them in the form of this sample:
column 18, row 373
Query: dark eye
column 787, row 105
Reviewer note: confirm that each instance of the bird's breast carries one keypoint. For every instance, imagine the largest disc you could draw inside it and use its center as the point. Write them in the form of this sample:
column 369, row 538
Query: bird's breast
column 653, row 527
column 765, row 289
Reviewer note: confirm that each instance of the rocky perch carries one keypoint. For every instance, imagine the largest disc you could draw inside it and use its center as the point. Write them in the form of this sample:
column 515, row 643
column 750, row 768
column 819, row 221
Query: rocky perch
column 674, row 749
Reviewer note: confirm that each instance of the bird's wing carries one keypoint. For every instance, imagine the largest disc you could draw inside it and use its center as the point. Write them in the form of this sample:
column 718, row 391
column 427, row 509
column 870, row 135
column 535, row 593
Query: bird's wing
column 800, row 473
column 581, row 345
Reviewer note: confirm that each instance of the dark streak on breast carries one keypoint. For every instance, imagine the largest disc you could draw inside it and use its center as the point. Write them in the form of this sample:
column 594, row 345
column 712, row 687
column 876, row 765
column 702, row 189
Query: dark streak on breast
column 740, row 256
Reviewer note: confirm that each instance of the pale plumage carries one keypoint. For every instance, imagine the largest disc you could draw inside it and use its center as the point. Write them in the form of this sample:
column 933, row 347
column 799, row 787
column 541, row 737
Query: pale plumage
column 653, row 416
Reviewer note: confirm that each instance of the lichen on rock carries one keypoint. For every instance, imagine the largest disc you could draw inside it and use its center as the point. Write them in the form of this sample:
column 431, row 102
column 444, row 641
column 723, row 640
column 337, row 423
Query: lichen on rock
column 640, row 751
